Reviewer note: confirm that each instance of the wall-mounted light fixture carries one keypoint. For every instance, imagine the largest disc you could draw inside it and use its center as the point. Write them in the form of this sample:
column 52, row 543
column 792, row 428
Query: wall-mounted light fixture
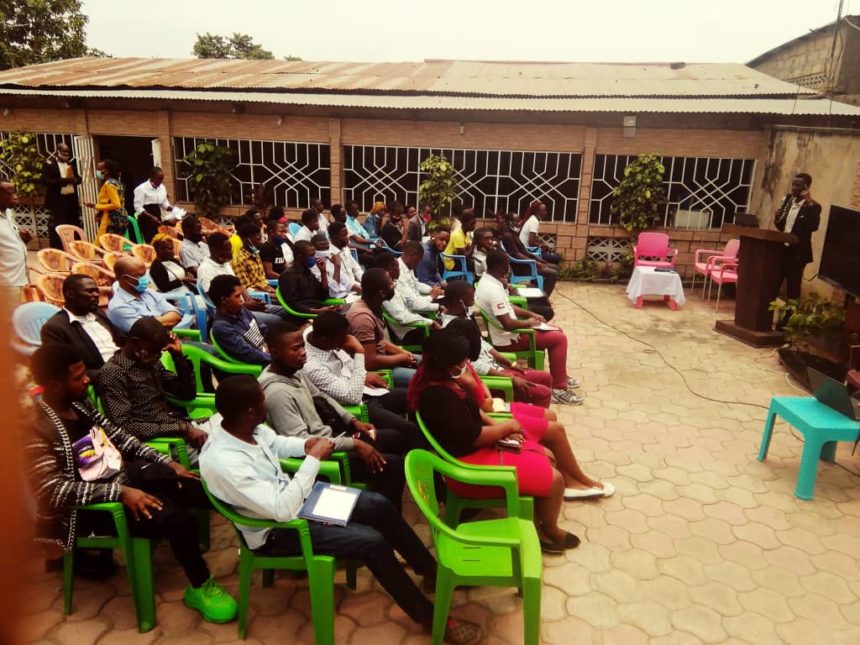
column 6, row 111
column 280, row 120
column 462, row 129
column 629, row 125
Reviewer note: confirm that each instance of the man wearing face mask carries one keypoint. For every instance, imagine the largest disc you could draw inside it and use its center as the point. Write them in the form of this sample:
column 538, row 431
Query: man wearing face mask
column 340, row 284
column 132, row 385
column 61, row 179
column 247, row 264
column 299, row 287
column 132, row 299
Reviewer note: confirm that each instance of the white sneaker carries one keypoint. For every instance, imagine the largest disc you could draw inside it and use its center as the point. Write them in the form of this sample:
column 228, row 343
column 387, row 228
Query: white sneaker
column 573, row 382
column 566, row 398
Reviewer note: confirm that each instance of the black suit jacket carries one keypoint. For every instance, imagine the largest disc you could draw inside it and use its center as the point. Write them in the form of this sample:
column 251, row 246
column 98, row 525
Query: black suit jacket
column 60, row 330
column 54, row 182
column 807, row 222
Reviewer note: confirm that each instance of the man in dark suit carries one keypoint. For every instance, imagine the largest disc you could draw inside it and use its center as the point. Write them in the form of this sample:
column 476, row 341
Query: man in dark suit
column 83, row 325
column 799, row 215
column 61, row 196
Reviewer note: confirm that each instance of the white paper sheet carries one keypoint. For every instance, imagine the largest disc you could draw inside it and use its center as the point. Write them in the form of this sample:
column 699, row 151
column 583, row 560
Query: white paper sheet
column 335, row 504
column 545, row 327
column 530, row 292
column 375, row 391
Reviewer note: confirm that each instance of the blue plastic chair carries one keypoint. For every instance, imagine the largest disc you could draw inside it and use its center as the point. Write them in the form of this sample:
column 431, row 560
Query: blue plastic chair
column 535, row 250
column 821, row 427
column 460, row 270
column 533, row 275
column 385, row 246
column 191, row 314
column 294, row 228
column 27, row 321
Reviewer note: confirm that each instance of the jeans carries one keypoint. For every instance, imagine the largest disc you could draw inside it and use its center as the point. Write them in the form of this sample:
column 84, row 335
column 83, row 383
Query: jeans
column 556, row 343
column 268, row 317
column 391, row 480
column 387, row 411
column 374, row 532
column 400, row 376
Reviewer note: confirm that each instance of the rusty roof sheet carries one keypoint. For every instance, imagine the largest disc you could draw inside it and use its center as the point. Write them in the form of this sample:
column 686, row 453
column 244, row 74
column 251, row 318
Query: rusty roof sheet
column 451, row 78
column 763, row 106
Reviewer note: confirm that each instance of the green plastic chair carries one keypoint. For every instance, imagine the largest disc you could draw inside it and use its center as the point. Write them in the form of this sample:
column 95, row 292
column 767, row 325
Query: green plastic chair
column 425, row 326
column 299, row 314
column 137, row 553
column 499, row 553
column 320, row 569
column 534, row 355
column 454, row 504
column 134, row 230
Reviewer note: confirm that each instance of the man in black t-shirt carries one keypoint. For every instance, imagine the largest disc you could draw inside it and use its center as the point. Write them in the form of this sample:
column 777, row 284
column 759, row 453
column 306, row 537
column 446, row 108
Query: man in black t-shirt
column 272, row 251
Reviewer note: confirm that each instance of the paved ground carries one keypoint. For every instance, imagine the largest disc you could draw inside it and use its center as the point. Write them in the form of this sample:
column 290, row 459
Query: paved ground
column 701, row 543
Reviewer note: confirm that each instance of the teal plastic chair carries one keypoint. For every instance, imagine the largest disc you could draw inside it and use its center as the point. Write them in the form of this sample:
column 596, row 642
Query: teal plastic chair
column 533, row 355
column 821, row 427
column 137, row 553
column 499, row 553
column 460, row 270
column 454, row 504
column 320, row 568
column 299, row 314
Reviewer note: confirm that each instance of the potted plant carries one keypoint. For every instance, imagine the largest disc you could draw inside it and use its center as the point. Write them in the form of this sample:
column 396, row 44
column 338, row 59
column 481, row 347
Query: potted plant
column 813, row 331
column 208, row 168
column 438, row 189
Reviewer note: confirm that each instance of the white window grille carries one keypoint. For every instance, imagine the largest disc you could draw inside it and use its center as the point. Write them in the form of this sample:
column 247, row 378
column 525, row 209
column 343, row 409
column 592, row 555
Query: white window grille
column 38, row 220
column 703, row 192
column 607, row 249
column 292, row 172
column 487, row 180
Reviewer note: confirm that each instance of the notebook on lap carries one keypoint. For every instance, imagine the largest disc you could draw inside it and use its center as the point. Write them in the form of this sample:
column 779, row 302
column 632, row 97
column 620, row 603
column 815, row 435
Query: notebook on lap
column 833, row 394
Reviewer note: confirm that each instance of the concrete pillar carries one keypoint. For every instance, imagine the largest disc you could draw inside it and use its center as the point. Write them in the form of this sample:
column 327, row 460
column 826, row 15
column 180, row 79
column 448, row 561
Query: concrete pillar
column 335, row 159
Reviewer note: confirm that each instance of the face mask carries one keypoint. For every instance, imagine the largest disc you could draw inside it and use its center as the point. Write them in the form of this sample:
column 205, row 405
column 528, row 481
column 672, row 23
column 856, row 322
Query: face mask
column 142, row 283
column 310, row 263
column 469, row 310
column 322, row 254
column 253, row 249
column 277, row 240
column 100, row 175
column 462, row 371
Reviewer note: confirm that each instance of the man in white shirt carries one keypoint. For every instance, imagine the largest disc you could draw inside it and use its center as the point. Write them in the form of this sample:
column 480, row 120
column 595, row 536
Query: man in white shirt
column 151, row 204
column 241, row 466
column 193, row 249
column 318, row 207
column 484, row 243
column 13, row 248
column 504, row 319
column 339, row 237
column 417, row 295
column 340, row 284
column 311, row 225
column 402, row 316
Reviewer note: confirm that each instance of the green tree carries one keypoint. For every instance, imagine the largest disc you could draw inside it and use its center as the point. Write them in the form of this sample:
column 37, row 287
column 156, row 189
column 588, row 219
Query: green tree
column 19, row 151
column 41, row 31
column 208, row 168
column 237, row 46
column 639, row 198
column 439, row 186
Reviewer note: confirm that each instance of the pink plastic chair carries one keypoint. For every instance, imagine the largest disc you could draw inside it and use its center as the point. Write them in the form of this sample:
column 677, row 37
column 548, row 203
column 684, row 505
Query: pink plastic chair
column 68, row 234
column 705, row 260
column 724, row 273
column 653, row 245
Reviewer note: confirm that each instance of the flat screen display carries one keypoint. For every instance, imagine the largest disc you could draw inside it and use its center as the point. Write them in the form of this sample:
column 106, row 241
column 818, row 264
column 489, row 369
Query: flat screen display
column 840, row 257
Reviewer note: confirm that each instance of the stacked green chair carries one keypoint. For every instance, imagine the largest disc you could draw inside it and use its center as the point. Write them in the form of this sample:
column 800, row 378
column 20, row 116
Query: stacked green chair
column 534, row 355
column 320, row 568
column 454, row 504
column 501, row 553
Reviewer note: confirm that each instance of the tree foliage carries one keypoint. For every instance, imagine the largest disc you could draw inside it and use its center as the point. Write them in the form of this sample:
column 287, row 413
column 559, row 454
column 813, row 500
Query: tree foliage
column 639, row 198
column 208, row 169
column 41, row 31
column 237, row 46
column 20, row 152
column 439, row 186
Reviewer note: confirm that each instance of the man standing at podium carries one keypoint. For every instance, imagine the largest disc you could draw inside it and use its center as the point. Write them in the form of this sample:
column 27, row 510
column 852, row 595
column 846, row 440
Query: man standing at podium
column 799, row 215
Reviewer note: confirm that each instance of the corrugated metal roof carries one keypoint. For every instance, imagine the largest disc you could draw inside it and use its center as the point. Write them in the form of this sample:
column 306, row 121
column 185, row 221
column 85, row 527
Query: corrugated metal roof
column 764, row 106
column 473, row 78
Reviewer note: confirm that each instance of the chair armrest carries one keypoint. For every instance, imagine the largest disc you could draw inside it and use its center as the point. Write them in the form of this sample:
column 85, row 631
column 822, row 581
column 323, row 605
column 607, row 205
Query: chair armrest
column 190, row 334
column 700, row 252
column 505, row 384
column 261, row 295
column 330, row 469
column 333, row 301
column 272, row 282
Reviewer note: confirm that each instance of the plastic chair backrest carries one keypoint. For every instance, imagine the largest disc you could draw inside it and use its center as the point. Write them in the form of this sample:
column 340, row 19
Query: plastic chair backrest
column 68, row 233
column 55, row 261
column 27, row 320
column 433, row 443
column 209, row 304
column 169, row 230
column 732, row 247
column 144, row 252
column 294, row 228
column 652, row 244
column 133, row 230
column 86, row 251
column 103, row 277
column 110, row 259
column 113, row 242
column 51, row 285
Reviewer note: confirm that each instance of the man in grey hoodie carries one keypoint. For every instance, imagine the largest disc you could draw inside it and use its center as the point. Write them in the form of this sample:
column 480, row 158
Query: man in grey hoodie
column 295, row 406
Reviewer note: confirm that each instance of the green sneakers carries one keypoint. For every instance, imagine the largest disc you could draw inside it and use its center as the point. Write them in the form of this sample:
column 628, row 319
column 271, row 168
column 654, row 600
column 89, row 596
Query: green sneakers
column 211, row 600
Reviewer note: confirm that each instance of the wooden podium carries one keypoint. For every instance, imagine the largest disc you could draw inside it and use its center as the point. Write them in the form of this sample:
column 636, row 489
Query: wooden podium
column 759, row 270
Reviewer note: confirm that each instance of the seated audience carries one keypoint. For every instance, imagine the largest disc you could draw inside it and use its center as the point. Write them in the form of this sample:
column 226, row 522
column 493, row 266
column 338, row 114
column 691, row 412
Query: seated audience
column 401, row 316
column 393, row 233
column 296, row 408
column 417, row 295
column 247, row 264
column 447, row 393
column 340, row 284
column 251, row 216
column 234, row 328
column 508, row 235
column 241, row 468
column 166, row 272
column 484, row 242
column 335, row 364
column 373, row 221
column 156, row 491
column 427, row 269
column 310, row 226
column 133, row 299
column 276, row 252
column 82, row 325
column 318, row 207
column 417, row 223
column 357, row 234
column 530, row 386
column 350, row 268
column 366, row 324
column 219, row 263
column 530, row 232
column 491, row 297
column 193, row 249
column 133, row 385
column 302, row 291
column 460, row 242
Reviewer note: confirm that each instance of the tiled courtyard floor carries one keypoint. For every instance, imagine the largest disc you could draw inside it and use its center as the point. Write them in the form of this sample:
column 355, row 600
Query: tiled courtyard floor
column 701, row 543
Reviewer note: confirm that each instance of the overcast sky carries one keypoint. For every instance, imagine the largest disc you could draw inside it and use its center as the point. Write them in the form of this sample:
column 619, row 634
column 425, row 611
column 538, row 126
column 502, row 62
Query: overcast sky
column 413, row 30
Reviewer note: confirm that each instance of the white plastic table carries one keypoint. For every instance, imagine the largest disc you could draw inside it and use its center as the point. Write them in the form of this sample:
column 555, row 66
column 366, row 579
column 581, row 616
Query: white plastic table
column 645, row 281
